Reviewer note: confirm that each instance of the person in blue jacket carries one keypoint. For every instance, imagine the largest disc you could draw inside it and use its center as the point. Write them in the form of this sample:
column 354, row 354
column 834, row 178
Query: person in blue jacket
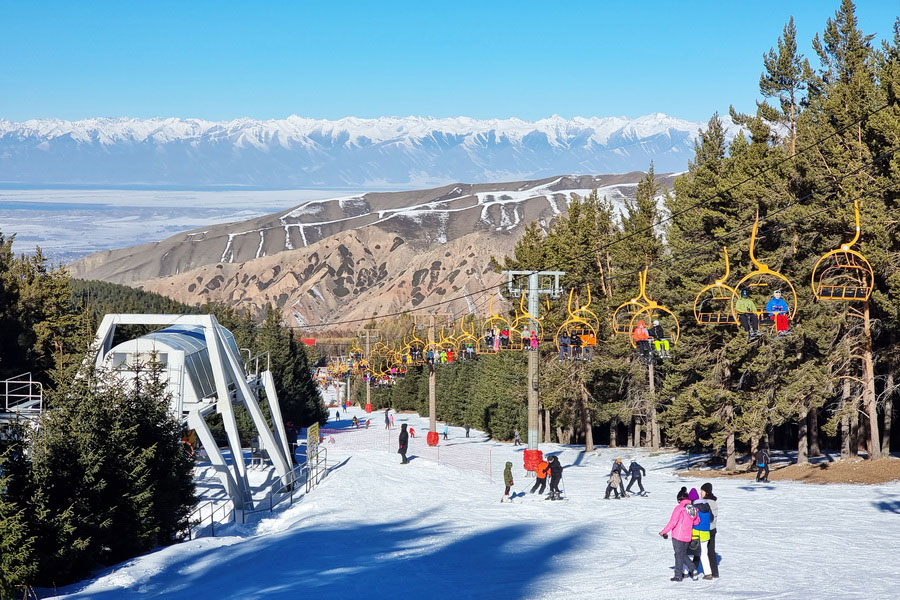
column 778, row 311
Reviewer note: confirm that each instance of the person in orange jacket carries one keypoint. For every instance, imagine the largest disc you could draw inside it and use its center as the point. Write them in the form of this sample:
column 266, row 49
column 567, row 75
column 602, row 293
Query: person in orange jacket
column 541, row 477
column 642, row 338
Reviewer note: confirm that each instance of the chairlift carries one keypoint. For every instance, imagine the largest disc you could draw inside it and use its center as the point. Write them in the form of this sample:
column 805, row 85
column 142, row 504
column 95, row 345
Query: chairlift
column 712, row 306
column 844, row 274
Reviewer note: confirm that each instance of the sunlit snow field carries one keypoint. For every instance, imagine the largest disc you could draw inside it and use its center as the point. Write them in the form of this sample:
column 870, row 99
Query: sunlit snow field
column 378, row 529
column 67, row 224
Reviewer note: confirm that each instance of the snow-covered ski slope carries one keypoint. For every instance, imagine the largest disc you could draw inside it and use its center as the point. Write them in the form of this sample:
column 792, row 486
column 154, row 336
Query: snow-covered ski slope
column 429, row 530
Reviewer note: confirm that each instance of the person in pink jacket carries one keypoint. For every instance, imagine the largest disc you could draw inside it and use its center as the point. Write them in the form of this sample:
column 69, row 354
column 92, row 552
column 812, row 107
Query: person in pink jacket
column 681, row 524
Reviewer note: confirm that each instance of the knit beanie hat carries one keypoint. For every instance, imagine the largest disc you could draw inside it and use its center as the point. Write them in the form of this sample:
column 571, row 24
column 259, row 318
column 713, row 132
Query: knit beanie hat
column 694, row 495
column 707, row 487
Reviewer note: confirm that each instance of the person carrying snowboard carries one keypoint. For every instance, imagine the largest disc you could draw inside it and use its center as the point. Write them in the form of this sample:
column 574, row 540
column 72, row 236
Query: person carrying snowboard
column 508, row 481
column 612, row 485
column 555, row 476
column 681, row 524
column 635, row 470
column 540, row 477
column 762, row 464
column 404, row 443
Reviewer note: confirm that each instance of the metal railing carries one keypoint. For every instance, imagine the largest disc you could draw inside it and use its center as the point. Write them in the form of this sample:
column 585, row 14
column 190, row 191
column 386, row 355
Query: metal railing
column 197, row 522
column 316, row 467
column 22, row 394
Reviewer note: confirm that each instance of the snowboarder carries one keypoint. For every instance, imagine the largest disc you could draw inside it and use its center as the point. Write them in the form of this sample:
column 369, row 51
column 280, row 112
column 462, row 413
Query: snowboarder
column 517, row 440
column 540, row 477
column 681, row 524
column 612, row 485
column 707, row 502
column 555, row 476
column 404, row 443
column 762, row 464
column 619, row 468
column 446, row 432
column 635, row 471
column 508, row 481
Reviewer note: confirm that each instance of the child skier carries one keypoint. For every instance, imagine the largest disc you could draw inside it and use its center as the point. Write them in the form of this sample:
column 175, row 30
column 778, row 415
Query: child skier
column 508, row 481
column 615, row 480
column 540, row 477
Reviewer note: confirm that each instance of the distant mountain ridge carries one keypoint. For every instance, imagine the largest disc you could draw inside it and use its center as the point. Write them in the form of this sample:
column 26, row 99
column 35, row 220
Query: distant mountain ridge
column 349, row 152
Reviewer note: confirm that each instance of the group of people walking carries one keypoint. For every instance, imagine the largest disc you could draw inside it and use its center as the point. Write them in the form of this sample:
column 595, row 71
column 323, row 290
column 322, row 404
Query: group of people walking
column 616, row 484
column 693, row 529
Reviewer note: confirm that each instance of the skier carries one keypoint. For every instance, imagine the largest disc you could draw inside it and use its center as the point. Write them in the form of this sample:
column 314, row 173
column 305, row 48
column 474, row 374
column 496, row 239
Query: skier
column 762, row 464
column 700, row 532
column 746, row 310
column 368, row 422
column 681, row 524
column 540, row 477
column 508, row 481
column 555, row 476
column 707, row 503
column 392, row 420
column 612, row 485
column 412, row 432
column 636, row 470
column 517, row 440
column 619, row 468
column 446, row 432
column 778, row 311
column 387, row 419
column 404, row 443
column 337, row 415
column 467, row 431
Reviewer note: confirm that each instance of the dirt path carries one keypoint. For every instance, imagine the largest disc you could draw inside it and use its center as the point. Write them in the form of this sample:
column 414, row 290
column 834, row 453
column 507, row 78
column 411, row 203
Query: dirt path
column 859, row 471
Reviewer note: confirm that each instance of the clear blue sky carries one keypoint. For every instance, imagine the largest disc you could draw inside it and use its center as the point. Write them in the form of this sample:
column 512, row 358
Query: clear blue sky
column 330, row 59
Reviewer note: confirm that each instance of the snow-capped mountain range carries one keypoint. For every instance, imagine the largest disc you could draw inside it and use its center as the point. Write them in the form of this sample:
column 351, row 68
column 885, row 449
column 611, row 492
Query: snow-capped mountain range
column 387, row 152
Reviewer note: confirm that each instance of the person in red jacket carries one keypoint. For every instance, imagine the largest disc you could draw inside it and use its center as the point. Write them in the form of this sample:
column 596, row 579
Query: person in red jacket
column 681, row 524
column 642, row 338
column 540, row 477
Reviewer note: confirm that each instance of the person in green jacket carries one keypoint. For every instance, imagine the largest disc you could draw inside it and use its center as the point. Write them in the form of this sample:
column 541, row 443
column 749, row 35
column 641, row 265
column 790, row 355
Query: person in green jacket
column 747, row 314
column 508, row 481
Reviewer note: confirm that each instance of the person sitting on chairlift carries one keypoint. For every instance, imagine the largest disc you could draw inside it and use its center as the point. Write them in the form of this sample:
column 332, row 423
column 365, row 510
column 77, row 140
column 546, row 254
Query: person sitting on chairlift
column 660, row 341
column 746, row 310
column 564, row 346
column 778, row 310
column 588, row 341
column 642, row 338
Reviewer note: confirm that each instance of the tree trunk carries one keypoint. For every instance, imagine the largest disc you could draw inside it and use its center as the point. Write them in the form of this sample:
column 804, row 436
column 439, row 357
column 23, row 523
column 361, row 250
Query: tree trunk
column 653, row 430
column 629, row 443
column 586, row 421
column 730, row 459
column 854, row 427
column 771, row 439
column 802, row 439
column 814, row 449
column 540, row 424
column 888, row 414
column 548, row 431
column 869, row 398
column 754, row 448
column 614, row 433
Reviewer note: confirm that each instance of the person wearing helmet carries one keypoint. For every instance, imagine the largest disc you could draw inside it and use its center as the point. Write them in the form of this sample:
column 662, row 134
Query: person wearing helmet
column 642, row 338
column 746, row 311
column 660, row 341
column 778, row 311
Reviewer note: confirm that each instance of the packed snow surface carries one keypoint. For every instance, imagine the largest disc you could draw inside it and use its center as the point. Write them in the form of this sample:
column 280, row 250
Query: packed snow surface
column 378, row 529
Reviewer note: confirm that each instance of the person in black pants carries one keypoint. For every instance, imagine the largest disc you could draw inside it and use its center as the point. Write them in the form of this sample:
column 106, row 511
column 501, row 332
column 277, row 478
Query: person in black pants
column 404, row 443
column 710, row 500
column 555, row 476
column 762, row 464
column 635, row 470
column 619, row 467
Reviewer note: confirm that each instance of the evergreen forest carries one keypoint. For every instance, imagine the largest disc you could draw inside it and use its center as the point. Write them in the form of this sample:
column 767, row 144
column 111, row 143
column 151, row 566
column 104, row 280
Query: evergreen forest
column 824, row 141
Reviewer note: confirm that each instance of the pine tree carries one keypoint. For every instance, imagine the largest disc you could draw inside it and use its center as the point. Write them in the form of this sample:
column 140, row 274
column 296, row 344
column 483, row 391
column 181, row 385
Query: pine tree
column 785, row 77
column 18, row 563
